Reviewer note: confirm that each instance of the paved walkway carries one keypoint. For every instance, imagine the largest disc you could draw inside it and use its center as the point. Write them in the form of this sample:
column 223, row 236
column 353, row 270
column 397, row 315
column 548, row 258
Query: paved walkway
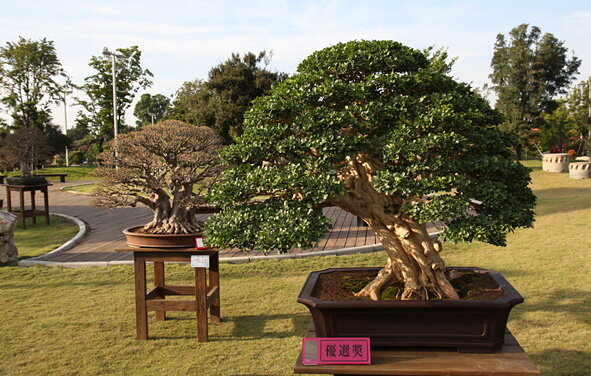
column 106, row 228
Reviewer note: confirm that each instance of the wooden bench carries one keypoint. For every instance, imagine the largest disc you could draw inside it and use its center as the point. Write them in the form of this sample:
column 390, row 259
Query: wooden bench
column 61, row 176
column 510, row 360
column 205, row 297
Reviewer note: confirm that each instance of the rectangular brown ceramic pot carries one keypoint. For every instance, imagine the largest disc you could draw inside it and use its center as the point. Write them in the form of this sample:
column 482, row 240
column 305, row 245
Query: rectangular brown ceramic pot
column 468, row 325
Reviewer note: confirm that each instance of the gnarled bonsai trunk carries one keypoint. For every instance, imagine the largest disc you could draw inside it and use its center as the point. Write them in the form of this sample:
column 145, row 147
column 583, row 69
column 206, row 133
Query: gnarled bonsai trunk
column 25, row 169
column 175, row 218
column 413, row 260
column 413, row 257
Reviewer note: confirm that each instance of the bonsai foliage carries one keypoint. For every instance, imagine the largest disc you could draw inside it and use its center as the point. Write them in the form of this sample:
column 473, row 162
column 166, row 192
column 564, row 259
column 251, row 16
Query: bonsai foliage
column 166, row 166
column 377, row 129
column 25, row 147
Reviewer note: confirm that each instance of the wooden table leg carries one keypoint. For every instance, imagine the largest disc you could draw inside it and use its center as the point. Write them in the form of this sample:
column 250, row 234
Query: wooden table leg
column 159, row 281
column 9, row 199
column 214, row 281
column 141, row 313
column 34, row 219
column 46, row 202
column 22, row 213
column 201, row 300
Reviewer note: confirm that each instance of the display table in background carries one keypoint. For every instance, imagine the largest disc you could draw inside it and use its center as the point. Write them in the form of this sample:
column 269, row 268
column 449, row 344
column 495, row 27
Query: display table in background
column 23, row 214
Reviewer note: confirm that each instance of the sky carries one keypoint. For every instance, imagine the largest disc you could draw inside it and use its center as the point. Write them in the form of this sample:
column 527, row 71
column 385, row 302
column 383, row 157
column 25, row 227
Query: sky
column 181, row 40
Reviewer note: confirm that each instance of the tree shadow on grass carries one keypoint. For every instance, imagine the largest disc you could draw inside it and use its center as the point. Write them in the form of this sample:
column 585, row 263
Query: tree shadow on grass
column 249, row 327
column 557, row 362
column 579, row 305
column 557, row 200
column 563, row 192
column 39, row 285
column 254, row 327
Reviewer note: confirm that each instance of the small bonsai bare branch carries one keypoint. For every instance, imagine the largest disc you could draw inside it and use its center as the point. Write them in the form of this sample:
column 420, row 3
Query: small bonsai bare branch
column 166, row 166
column 24, row 148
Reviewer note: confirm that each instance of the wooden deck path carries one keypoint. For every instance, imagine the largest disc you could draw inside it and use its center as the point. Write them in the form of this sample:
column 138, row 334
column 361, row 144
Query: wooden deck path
column 106, row 228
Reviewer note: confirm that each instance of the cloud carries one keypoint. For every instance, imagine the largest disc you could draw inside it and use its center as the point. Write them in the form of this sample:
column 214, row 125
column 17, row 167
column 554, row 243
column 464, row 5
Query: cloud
column 580, row 15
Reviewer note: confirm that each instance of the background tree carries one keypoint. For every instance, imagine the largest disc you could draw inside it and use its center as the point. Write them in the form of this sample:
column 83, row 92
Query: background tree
column 29, row 74
column 24, row 148
column 528, row 72
column 559, row 131
column 187, row 103
column 150, row 109
column 579, row 105
column 167, row 167
column 97, row 113
column 373, row 128
column 221, row 101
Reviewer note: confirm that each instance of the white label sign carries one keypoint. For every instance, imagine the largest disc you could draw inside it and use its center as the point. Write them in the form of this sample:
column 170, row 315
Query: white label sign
column 200, row 261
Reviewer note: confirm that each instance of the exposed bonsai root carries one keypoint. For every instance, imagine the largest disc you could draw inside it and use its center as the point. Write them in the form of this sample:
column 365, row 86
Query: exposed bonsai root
column 374, row 288
column 173, row 226
column 413, row 260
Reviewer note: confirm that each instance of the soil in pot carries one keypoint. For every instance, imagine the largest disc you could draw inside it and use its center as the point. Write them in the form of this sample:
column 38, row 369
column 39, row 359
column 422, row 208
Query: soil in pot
column 341, row 286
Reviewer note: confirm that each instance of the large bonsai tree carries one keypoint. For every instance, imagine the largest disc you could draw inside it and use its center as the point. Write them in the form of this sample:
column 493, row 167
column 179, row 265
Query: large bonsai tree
column 167, row 167
column 25, row 147
column 379, row 130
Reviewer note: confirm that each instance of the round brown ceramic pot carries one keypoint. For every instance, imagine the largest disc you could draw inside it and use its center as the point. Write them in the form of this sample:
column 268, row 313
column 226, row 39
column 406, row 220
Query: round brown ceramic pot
column 140, row 240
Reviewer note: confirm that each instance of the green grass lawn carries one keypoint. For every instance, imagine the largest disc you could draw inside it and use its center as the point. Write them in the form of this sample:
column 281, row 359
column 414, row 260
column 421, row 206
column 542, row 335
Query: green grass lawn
column 38, row 239
column 81, row 321
column 83, row 189
column 74, row 173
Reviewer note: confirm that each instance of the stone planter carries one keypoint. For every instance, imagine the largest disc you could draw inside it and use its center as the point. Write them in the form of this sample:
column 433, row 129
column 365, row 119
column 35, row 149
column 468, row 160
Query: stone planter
column 139, row 240
column 579, row 170
column 583, row 159
column 555, row 162
column 8, row 250
column 468, row 325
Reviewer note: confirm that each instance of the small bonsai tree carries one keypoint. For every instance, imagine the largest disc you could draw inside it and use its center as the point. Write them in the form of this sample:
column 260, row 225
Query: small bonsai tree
column 379, row 130
column 25, row 147
column 167, row 167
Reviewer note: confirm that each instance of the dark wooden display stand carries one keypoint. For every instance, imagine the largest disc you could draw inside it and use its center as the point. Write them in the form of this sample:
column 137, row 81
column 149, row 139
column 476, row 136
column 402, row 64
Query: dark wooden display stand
column 33, row 212
column 206, row 297
column 511, row 360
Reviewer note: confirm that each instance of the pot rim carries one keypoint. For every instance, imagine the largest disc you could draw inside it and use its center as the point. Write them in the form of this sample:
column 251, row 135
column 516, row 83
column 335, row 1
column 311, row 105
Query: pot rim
column 511, row 298
column 130, row 232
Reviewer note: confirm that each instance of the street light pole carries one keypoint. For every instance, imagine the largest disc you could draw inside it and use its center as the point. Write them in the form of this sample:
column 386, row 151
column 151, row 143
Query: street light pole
column 66, row 127
column 113, row 55
column 589, row 102
column 115, row 128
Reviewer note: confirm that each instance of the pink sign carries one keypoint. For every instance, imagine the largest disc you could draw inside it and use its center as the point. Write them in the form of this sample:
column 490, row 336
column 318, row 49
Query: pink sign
column 336, row 351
